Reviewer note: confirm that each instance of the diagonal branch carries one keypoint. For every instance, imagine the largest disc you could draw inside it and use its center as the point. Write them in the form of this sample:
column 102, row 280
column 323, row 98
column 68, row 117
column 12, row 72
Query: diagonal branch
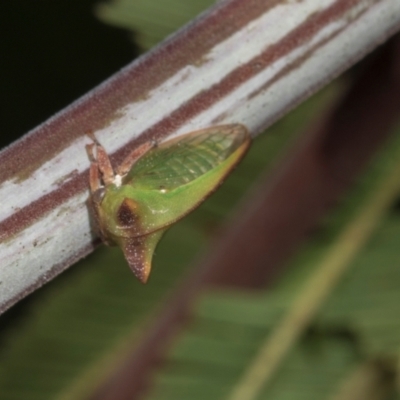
column 245, row 61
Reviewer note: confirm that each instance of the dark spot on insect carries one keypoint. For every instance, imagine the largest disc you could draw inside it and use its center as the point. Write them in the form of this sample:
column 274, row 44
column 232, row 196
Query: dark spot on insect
column 125, row 214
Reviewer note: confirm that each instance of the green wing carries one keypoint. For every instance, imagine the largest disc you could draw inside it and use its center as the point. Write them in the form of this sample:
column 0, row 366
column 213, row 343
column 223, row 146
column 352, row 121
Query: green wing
column 181, row 160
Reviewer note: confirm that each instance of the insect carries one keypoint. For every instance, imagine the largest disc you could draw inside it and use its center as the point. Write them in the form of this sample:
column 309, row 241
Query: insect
column 158, row 184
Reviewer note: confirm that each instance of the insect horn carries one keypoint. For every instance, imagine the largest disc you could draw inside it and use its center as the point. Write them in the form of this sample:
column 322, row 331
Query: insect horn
column 139, row 251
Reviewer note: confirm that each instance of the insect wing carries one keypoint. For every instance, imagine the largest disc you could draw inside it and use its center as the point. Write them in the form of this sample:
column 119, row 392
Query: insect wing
column 175, row 177
column 183, row 159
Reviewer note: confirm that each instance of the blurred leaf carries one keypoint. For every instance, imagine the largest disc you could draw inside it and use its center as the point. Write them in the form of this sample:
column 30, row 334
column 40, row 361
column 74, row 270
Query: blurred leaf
column 151, row 21
column 359, row 323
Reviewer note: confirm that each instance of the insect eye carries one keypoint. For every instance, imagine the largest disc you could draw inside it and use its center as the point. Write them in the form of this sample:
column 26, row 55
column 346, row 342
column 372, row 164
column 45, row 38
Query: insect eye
column 98, row 195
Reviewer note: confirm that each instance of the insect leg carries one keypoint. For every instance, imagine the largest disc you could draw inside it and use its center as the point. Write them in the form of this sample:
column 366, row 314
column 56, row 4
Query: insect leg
column 105, row 166
column 94, row 178
column 128, row 162
column 102, row 161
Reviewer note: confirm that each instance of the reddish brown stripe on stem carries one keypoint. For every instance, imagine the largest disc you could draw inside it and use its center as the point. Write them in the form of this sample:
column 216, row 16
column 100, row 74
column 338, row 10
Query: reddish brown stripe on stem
column 317, row 20
column 207, row 98
column 189, row 110
column 101, row 106
column 28, row 215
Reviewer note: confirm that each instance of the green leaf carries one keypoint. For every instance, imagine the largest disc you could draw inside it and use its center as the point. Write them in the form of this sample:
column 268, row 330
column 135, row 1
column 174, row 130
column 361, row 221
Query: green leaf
column 151, row 21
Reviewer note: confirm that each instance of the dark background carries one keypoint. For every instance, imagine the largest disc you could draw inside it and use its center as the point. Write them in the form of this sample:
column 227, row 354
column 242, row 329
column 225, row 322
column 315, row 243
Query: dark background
column 52, row 52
